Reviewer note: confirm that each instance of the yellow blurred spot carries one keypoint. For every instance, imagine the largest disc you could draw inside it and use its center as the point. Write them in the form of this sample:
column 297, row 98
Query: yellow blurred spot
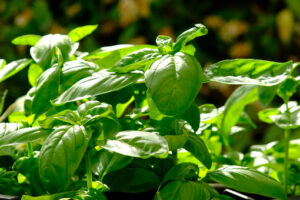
column 56, row 28
column 23, row 18
column 214, row 22
column 240, row 50
column 128, row 10
column 73, row 9
column 138, row 40
column 232, row 29
column 167, row 30
column 144, row 8
column 285, row 25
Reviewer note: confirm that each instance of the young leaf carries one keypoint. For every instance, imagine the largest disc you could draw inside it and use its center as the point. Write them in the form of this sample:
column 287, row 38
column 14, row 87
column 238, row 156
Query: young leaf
column 164, row 44
column 287, row 89
column 61, row 155
column 13, row 67
column 22, row 135
column 173, row 82
column 66, row 117
column 131, row 180
column 80, row 32
column 247, row 180
column 188, row 35
column 136, row 60
column 248, row 71
column 178, row 190
column 182, row 172
column 264, row 115
column 107, row 57
column 196, row 146
column 235, row 105
column 99, row 83
column 30, row 40
column 34, row 72
column 46, row 90
column 42, row 52
column 104, row 162
column 138, row 144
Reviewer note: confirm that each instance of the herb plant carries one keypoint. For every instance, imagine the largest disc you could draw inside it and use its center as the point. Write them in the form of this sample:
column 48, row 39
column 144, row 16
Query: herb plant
column 123, row 118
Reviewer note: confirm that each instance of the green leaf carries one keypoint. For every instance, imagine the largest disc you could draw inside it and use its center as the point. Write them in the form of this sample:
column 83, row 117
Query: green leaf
column 209, row 114
column 22, row 135
column 175, row 141
column 136, row 60
column 188, row 35
column 80, row 32
column 264, row 115
column 266, row 94
column 196, row 146
column 2, row 101
column 2, row 63
column 182, row 172
column 76, row 70
column 287, row 120
column 30, row 40
column 34, row 72
column 248, row 71
column 138, row 144
column 178, row 190
column 189, row 49
column 107, row 57
column 164, row 44
column 173, row 82
column 13, row 67
column 61, row 155
column 6, row 128
column 131, row 180
column 104, row 162
column 154, row 113
column 93, row 110
column 234, row 106
column 247, row 180
column 287, row 89
column 66, row 117
column 99, row 83
column 51, row 197
column 192, row 116
column 46, row 89
column 42, row 52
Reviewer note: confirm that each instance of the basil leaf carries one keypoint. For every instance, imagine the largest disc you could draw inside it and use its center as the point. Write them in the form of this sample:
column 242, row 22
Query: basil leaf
column 178, row 190
column 51, row 196
column 42, row 52
column 12, row 68
column 188, row 35
column 46, row 89
column 173, row 82
column 104, row 162
column 248, row 71
column 34, row 72
column 107, row 57
column 196, row 146
column 99, row 83
column 164, row 44
column 131, row 180
column 22, row 135
column 247, row 180
column 192, row 116
column 234, row 106
column 66, row 117
column 136, row 60
column 138, row 144
column 175, row 141
column 61, row 155
column 287, row 120
column 76, row 70
column 80, row 32
column 30, row 40
column 266, row 94
column 6, row 128
column 264, row 115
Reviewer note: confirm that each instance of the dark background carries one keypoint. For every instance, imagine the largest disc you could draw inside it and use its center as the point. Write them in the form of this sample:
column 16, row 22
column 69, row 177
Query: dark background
column 261, row 29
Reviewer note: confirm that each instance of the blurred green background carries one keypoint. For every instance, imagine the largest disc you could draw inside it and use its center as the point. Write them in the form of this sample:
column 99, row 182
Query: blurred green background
column 268, row 29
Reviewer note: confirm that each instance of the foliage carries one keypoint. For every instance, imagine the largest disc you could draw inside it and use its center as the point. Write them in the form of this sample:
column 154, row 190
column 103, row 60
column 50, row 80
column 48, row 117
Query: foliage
column 153, row 136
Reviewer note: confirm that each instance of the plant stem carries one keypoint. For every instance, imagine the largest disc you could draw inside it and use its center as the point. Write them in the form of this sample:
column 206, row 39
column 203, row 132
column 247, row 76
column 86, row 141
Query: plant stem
column 174, row 156
column 89, row 176
column 30, row 151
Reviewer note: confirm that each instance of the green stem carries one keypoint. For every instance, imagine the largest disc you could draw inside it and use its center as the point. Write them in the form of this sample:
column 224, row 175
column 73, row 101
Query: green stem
column 30, row 151
column 88, row 171
column 174, row 156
